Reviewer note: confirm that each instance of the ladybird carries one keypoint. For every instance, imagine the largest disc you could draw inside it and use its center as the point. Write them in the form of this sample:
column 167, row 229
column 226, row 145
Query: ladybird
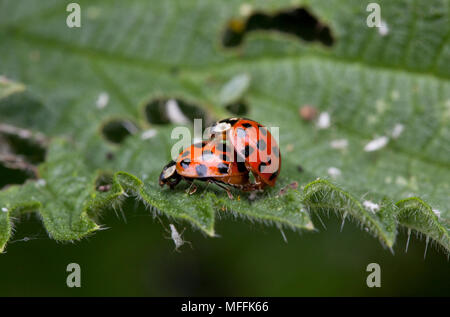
column 254, row 145
column 206, row 161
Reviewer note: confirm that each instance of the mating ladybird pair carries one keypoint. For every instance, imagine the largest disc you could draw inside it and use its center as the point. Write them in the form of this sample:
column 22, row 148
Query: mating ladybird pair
column 237, row 146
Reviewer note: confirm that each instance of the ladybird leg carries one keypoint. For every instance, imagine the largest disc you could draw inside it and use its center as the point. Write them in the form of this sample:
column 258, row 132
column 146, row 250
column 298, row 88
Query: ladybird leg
column 174, row 182
column 192, row 188
column 224, row 188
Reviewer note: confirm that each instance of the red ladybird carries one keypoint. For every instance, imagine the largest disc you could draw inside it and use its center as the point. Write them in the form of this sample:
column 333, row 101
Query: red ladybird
column 207, row 161
column 255, row 146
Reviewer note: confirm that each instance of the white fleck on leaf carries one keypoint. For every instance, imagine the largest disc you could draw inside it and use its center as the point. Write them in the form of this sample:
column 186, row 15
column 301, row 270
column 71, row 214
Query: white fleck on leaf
column 234, row 89
column 398, row 129
column 334, row 172
column 437, row 213
column 102, row 100
column 4, row 209
column 339, row 144
column 150, row 133
column 383, row 29
column 245, row 9
column 41, row 182
column 174, row 112
column 324, row 121
column 371, row 206
column 376, row 144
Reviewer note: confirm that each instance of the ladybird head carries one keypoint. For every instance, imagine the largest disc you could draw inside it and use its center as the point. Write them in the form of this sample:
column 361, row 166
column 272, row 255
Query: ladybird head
column 169, row 175
column 223, row 126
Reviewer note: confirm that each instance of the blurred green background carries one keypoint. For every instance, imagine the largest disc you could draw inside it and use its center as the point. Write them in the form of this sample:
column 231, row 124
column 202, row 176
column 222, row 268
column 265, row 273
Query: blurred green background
column 136, row 259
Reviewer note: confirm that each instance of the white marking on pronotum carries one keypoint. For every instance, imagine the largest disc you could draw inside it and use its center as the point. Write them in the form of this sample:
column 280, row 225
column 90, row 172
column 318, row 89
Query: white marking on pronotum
column 148, row 134
column 376, row 144
column 174, row 112
column 383, row 29
column 398, row 129
column 407, row 241
column 324, row 121
column 176, row 237
column 102, row 100
column 334, row 172
column 373, row 207
column 4, row 209
column 340, row 144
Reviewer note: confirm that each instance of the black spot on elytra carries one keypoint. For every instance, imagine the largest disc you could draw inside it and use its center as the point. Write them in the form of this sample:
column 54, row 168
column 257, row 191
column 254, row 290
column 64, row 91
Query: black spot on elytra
column 225, row 157
column 261, row 145
column 223, row 168
column 200, row 145
column 201, row 170
column 231, row 121
column 276, row 151
column 246, row 125
column 263, row 131
column 247, row 151
column 186, row 153
column 185, row 163
column 241, row 167
column 298, row 22
column 262, row 165
column 223, row 147
column 273, row 176
column 241, row 133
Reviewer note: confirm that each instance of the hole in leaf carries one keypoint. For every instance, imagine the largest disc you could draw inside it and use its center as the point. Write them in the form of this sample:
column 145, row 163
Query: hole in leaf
column 117, row 130
column 20, row 151
column 15, row 171
column 239, row 108
column 30, row 145
column 298, row 22
column 170, row 110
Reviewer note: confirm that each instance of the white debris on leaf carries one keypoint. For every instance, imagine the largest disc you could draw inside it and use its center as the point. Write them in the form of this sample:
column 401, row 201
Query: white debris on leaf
column 395, row 94
column 4, row 209
column 376, row 144
column 41, row 182
column 234, row 89
column 334, row 172
column 340, row 144
column 102, row 100
column 174, row 112
column 373, row 207
column 437, row 213
column 398, row 129
column 130, row 127
column 401, row 181
column 148, row 134
column 176, row 237
column 245, row 9
column 383, row 29
column 324, row 121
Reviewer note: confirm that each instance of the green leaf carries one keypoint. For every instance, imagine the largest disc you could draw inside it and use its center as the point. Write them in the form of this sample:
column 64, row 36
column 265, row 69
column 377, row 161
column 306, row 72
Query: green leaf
column 374, row 86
